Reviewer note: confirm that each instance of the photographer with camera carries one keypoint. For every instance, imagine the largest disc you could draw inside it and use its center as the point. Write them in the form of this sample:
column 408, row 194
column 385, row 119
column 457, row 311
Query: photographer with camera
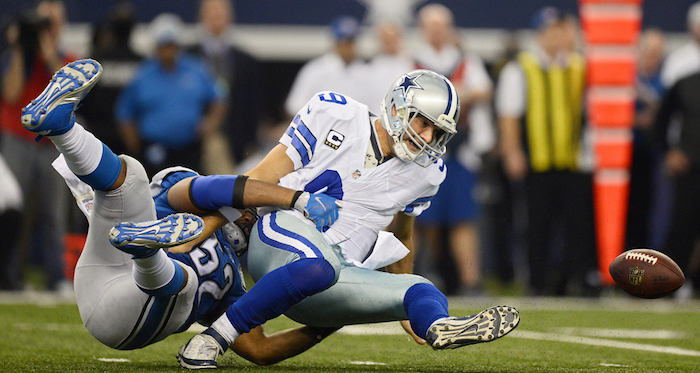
column 31, row 56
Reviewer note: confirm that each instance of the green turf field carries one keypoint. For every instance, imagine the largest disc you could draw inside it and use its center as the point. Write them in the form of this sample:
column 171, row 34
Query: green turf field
column 555, row 335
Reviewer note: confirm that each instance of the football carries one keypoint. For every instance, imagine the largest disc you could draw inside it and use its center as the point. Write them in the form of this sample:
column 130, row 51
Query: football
column 646, row 273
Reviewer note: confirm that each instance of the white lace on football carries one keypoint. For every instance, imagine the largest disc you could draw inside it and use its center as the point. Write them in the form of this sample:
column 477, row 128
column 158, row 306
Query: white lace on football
column 641, row 257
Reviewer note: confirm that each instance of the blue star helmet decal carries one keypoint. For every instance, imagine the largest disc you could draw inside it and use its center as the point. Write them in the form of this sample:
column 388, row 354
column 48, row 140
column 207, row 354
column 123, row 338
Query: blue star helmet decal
column 408, row 83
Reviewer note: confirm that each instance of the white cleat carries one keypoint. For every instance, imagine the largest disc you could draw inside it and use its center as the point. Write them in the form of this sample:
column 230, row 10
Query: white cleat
column 486, row 326
column 199, row 353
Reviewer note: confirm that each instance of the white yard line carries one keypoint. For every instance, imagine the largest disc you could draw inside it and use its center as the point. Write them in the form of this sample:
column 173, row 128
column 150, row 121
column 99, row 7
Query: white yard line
column 113, row 360
column 525, row 334
column 624, row 333
column 567, row 335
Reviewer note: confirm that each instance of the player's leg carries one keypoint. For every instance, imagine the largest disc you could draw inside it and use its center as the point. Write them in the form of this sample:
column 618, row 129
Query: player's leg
column 119, row 297
column 364, row 296
column 122, row 194
column 298, row 264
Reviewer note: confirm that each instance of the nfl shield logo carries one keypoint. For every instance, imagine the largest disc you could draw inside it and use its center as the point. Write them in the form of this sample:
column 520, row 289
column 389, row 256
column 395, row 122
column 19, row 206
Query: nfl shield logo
column 635, row 276
column 356, row 174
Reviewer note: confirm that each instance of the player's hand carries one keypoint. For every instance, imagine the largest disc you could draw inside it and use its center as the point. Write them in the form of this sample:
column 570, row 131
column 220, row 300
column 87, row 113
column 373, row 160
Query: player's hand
column 319, row 207
column 407, row 327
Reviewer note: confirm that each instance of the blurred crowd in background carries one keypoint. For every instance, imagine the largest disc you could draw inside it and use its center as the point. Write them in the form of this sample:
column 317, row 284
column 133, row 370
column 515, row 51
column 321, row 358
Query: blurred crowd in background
column 513, row 217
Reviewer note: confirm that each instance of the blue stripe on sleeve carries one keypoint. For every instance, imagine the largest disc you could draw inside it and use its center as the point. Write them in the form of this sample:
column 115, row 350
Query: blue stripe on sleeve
column 301, row 149
column 308, row 136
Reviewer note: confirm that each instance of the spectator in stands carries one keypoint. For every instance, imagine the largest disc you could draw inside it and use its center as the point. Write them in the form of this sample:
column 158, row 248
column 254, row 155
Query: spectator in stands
column 645, row 158
column 682, row 162
column 238, row 78
column 28, row 63
column 171, row 105
column 339, row 70
column 685, row 60
column 11, row 204
column 455, row 207
column 111, row 46
column 542, row 150
column 391, row 62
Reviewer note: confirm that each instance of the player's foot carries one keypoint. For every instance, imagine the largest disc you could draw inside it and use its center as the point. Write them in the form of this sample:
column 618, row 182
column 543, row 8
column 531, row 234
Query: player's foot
column 51, row 113
column 199, row 353
column 145, row 239
column 485, row 326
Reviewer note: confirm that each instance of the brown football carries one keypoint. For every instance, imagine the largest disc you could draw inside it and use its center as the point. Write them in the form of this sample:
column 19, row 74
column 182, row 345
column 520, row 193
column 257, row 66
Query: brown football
column 646, row 273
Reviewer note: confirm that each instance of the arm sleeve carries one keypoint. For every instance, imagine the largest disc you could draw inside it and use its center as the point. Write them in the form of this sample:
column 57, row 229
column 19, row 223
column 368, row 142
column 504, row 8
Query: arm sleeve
column 210, row 193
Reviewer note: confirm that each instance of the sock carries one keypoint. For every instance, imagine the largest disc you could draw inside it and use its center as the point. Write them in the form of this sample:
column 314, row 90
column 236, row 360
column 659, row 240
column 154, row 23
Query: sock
column 424, row 304
column 89, row 159
column 223, row 332
column 158, row 275
column 274, row 294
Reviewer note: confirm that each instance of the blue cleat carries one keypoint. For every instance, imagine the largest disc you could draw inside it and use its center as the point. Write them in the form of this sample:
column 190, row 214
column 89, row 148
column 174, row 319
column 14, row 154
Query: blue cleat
column 487, row 325
column 145, row 239
column 52, row 113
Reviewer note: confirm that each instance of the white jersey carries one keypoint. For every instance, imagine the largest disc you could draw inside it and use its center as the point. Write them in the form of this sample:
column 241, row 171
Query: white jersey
column 332, row 142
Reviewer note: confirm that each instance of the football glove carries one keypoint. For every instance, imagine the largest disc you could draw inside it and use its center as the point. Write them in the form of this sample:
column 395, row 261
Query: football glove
column 322, row 209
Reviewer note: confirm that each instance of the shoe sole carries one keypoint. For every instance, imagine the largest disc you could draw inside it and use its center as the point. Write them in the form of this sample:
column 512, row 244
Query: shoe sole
column 169, row 231
column 186, row 364
column 68, row 85
column 486, row 326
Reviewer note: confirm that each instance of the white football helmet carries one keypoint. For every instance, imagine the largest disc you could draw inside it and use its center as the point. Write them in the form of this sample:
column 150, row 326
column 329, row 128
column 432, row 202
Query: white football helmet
column 426, row 93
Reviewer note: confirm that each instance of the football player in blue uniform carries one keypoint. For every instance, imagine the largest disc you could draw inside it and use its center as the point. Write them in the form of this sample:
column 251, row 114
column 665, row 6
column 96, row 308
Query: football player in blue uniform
column 385, row 169
column 137, row 294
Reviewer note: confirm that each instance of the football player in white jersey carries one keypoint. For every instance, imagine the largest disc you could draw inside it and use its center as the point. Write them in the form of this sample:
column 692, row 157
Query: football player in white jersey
column 137, row 294
column 385, row 170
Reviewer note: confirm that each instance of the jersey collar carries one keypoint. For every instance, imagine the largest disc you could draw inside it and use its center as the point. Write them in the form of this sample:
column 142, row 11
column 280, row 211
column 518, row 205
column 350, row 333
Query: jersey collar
column 374, row 155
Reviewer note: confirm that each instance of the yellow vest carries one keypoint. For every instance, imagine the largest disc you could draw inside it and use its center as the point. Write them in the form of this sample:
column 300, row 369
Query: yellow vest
column 553, row 117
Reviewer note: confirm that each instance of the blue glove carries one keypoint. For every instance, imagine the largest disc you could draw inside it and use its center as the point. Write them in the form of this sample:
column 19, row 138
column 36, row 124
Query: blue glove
column 320, row 208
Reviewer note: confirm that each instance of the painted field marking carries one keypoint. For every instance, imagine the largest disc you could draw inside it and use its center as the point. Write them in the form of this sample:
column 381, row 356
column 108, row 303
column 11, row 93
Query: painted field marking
column 384, row 328
column 624, row 333
column 393, row 328
column 525, row 334
column 365, row 363
column 113, row 360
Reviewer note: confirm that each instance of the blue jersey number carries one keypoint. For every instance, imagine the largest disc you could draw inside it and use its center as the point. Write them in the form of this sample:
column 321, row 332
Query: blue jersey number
column 328, row 183
column 334, row 98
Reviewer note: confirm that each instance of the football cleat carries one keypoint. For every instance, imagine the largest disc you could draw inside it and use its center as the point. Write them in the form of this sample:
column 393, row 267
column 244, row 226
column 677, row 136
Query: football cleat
column 145, row 239
column 52, row 112
column 200, row 353
column 486, row 326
